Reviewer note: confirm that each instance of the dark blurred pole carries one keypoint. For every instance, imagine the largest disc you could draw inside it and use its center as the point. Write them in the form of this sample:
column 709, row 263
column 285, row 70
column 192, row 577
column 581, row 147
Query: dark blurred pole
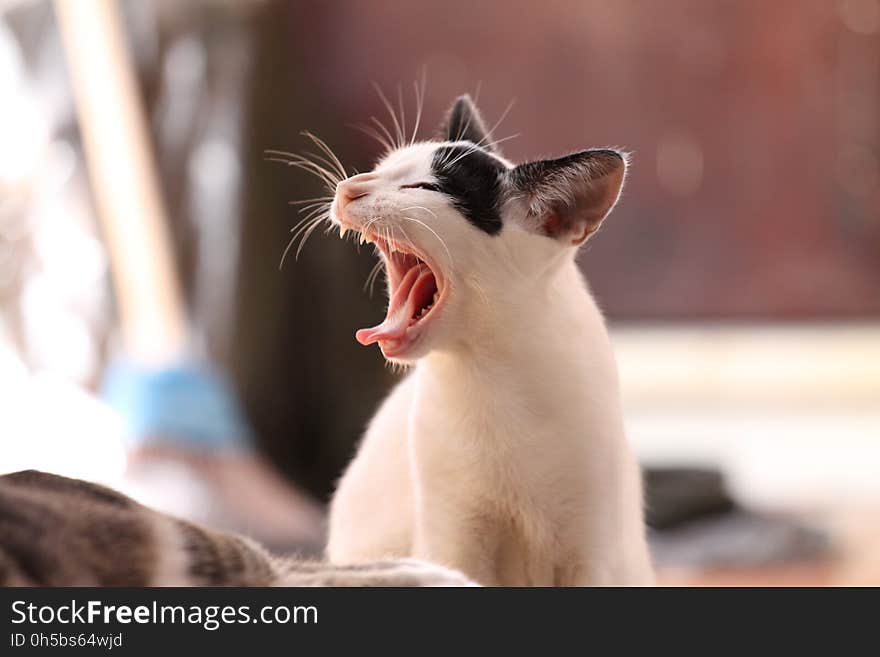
column 307, row 386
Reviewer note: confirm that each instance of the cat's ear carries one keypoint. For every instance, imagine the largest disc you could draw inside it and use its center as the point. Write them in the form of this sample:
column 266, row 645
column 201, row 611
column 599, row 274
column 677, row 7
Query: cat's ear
column 464, row 122
column 567, row 198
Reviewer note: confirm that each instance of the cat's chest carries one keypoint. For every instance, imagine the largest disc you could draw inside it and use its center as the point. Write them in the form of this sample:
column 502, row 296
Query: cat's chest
column 458, row 429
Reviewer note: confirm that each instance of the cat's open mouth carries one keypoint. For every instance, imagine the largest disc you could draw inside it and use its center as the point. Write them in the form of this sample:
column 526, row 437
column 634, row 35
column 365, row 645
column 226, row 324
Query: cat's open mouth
column 415, row 292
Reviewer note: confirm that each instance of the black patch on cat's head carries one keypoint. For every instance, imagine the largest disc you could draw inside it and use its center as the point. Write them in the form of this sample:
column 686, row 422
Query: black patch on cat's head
column 473, row 180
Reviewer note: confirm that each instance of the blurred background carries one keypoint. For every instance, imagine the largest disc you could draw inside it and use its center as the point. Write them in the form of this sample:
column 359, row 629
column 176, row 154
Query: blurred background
column 740, row 273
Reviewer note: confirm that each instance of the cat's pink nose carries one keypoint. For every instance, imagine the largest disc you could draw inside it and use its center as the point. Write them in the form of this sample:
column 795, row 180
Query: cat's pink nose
column 352, row 188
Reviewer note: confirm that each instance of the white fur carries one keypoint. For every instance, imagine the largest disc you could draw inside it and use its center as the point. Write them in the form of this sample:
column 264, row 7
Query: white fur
column 401, row 572
column 503, row 453
column 172, row 567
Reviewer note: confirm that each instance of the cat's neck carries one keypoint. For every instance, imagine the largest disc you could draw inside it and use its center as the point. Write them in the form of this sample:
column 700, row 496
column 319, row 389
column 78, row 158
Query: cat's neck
column 547, row 357
column 554, row 332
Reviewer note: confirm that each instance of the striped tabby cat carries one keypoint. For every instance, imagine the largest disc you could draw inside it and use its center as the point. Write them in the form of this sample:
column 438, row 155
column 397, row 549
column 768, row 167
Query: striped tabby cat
column 56, row 531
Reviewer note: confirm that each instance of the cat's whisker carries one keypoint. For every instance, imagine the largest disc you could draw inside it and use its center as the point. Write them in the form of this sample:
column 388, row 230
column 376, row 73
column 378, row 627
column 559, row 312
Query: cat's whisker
column 325, row 208
column 491, row 132
column 385, row 131
column 419, row 88
column 483, row 143
column 325, row 164
column 397, row 127
column 315, row 204
column 286, row 251
column 320, row 143
column 402, row 115
column 503, row 116
column 373, row 134
column 373, row 275
column 306, row 236
column 302, row 221
column 463, row 130
column 307, row 164
column 493, row 144
column 290, row 158
column 327, row 167
column 490, row 144
column 303, row 229
column 310, row 167
column 433, row 232
column 301, row 156
column 316, row 212
column 368, row 227
column 420, row 207
column 406, row 235
column 290, row 244
column 311, row 200
column 306, row 223
column 476, row 147
column 371, row 279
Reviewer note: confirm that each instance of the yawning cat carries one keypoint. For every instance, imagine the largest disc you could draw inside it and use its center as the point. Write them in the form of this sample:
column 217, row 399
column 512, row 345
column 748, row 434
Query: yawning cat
column 502, row 454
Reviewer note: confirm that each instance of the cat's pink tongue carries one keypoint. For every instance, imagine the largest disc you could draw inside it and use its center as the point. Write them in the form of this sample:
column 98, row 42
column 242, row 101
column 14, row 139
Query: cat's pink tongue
column 404, row 302
column 393, row 328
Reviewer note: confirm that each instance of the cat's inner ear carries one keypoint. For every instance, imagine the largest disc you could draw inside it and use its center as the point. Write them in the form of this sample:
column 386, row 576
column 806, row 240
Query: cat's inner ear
column 567, row 198
column 464, row 122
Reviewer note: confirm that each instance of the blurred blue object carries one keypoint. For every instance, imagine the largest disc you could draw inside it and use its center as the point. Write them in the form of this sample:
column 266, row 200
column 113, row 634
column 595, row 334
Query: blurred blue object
column 189, row 405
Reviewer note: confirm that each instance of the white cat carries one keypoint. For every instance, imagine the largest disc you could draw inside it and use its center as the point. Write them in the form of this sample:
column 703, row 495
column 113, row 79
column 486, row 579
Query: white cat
column 502, row 454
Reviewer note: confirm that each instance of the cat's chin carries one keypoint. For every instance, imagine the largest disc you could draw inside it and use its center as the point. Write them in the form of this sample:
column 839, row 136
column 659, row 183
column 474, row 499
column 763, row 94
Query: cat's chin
column 402, row 352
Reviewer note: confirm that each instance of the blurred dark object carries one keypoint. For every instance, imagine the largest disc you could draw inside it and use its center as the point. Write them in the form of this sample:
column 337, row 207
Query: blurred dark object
column 695, row 523
column 676, row 495
column 738, row 539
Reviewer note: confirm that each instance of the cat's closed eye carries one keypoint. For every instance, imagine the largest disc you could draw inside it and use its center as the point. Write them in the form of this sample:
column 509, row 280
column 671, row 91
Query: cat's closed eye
column 431, row 187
